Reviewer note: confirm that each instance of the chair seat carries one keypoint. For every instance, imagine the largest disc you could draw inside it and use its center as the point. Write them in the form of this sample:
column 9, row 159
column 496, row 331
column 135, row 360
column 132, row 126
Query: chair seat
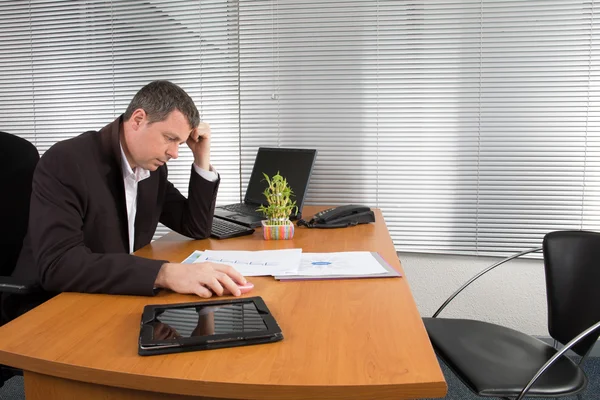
column 498, row 362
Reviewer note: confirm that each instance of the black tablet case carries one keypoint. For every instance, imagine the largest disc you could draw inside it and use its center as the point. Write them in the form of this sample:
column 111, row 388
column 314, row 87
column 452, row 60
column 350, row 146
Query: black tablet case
column 147, row 346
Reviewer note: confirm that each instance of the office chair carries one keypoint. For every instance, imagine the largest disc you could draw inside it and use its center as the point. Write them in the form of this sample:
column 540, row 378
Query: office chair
column 494, row 361
column 18, row 159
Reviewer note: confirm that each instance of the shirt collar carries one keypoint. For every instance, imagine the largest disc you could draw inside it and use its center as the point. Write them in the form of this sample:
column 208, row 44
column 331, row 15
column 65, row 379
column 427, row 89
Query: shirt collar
column 138, row 175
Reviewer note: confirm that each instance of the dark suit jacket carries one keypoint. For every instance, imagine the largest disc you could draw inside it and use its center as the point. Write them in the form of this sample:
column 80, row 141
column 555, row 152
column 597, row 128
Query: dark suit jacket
column 18, row 159
column 78, row 237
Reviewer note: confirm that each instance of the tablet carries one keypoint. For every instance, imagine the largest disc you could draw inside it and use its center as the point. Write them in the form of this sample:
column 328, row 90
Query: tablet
column 172, row 328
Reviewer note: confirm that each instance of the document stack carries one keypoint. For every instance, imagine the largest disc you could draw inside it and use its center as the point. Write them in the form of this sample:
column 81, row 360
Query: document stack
column 293, row 264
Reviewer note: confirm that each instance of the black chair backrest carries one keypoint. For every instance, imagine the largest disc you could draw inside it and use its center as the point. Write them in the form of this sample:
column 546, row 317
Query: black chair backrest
column 572, row 263
column 18, row 160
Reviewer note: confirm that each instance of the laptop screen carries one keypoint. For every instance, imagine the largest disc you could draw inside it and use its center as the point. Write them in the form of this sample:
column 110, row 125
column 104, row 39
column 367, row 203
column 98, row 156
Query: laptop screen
column 295, row 165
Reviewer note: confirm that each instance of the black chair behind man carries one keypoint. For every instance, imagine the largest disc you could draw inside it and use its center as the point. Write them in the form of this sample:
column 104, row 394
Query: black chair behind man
column 494, row 361
column 18, row 159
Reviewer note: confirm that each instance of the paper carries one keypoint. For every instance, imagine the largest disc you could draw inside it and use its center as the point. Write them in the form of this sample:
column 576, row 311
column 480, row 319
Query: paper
column 324, row 271
column 356, row 263
column 389, row 273
column 192, row 257
column 256, row 263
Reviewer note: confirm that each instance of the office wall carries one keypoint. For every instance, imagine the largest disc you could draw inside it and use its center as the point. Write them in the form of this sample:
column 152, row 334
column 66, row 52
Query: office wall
column 513, row 294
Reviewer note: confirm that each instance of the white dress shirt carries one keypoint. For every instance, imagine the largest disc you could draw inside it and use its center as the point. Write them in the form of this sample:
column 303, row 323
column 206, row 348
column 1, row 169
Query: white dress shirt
column 131, row 179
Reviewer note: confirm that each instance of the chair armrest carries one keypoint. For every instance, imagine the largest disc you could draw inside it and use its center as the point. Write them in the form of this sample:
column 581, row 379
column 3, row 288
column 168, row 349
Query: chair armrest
column 480, row 274
column 8, row 284
column 552, row 360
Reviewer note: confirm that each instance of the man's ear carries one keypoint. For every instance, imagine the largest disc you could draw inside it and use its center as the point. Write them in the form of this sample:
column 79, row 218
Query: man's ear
column 138, row 117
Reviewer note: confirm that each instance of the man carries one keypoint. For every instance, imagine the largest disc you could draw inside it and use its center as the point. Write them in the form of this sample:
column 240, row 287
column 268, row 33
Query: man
column 99, row 196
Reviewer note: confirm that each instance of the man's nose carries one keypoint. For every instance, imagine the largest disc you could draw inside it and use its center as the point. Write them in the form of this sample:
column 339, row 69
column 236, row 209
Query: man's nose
column 173, row 150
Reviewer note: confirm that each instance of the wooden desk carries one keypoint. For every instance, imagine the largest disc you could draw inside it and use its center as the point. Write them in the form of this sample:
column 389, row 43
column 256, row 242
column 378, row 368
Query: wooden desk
column 344, row 339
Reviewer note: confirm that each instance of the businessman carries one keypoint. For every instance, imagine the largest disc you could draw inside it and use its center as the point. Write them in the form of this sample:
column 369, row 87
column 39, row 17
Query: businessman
column 99, row 196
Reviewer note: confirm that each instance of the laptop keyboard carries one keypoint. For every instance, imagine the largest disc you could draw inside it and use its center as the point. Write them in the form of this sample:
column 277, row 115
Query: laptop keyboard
column 242, row 209
column 223, row 229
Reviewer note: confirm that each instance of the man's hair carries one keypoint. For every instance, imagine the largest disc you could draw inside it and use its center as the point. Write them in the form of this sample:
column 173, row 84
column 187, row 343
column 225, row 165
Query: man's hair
column 159, row 98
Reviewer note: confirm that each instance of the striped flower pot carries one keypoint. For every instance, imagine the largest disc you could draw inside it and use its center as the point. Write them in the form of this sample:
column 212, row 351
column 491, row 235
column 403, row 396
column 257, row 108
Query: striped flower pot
column 278, row 231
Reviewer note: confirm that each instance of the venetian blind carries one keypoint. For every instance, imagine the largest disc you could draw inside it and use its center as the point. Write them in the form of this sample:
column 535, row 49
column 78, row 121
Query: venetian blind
column 471, row 124
column 73, row 66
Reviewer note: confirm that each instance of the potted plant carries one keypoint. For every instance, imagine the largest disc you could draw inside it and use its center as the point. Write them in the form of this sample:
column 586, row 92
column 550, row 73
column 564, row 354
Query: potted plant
column 278, row 209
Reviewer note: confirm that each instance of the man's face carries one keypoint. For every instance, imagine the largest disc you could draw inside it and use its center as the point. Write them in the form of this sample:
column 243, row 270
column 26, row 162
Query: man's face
column 151, row 145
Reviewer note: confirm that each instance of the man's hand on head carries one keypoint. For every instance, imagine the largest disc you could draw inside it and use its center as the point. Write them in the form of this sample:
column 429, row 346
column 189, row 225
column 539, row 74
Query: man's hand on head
column 202, row 279
column 199, row 143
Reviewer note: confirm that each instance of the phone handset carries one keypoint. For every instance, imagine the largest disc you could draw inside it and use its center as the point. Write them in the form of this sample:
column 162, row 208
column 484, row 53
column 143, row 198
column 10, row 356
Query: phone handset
column 340, row 217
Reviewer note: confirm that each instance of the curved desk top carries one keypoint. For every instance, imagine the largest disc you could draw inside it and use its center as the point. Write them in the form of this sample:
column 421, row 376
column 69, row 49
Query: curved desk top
column 343, row 339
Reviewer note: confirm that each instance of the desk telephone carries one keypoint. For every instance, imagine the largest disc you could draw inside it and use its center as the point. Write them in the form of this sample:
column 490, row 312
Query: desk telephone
column 340, row 217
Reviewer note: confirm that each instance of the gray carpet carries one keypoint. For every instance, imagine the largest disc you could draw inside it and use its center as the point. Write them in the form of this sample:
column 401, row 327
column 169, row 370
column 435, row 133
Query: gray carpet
column 13, row 388
column 458, row 391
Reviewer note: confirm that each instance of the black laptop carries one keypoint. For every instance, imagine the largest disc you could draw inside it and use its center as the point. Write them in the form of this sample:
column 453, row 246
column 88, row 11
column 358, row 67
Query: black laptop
column 295, row 165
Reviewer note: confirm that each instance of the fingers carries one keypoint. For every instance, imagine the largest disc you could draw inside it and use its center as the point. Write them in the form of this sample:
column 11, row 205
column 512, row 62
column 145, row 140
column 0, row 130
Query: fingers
column 231, row 272
column 212, row 283
column 202, row 291
column 203, row 280
column 203, row 129
column 229, row 284
column 221, row 284
column 201, row 132
column 193, row 135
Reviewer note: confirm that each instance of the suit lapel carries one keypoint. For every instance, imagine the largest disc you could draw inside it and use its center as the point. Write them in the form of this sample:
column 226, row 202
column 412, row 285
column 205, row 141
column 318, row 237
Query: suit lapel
column 111, row 148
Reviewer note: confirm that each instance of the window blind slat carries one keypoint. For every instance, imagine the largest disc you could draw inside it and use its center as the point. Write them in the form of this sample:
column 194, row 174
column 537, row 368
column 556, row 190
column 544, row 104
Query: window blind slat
column 504, row 84
column 64, row 60
column 472, row 124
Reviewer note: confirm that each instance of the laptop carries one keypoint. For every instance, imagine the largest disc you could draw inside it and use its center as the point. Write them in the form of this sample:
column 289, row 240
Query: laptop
column 295, row 165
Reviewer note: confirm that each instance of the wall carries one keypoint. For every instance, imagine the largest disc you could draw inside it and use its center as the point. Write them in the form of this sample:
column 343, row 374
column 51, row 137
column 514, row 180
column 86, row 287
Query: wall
column 513, row 294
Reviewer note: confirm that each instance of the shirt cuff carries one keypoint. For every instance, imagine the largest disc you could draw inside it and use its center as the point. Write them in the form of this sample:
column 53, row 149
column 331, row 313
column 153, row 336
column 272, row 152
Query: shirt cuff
column 210, row 176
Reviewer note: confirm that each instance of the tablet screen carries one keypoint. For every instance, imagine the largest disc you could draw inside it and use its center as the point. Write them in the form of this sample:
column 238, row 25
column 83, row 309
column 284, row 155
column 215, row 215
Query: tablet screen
column 201, row 320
